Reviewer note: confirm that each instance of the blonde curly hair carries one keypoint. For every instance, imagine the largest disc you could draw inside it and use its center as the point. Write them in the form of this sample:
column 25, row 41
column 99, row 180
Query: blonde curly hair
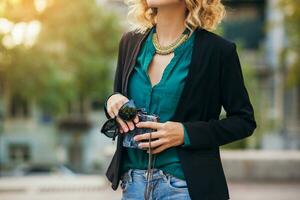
column 206, row 14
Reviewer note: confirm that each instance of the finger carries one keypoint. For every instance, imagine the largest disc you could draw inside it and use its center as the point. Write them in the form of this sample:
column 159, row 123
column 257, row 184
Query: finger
column 158, row 149
column 154, row 144
column 110, row 112
column 121, row 130
column 109, row 108
column 117, row 106
column 149, row 124
column 122, row 124
column 115, row 110
column 130, row 125
column 136, row 119
column 146, row 136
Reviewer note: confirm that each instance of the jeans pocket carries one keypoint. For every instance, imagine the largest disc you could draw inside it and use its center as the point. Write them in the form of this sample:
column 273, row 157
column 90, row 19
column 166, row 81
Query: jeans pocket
column 176, row 183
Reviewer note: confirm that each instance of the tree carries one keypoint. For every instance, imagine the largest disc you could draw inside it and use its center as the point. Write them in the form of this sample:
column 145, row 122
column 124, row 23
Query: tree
column 71, row 59
column 291, row 12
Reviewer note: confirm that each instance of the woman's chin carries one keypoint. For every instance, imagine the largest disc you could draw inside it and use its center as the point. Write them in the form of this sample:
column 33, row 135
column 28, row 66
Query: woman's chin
column 161, row 3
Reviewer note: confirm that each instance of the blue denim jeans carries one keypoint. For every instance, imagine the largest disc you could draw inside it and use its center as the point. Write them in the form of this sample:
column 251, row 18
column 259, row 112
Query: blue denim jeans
column 166, row 186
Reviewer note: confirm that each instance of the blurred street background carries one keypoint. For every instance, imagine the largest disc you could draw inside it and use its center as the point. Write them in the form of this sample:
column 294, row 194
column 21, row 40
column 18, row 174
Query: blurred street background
column 57, row 64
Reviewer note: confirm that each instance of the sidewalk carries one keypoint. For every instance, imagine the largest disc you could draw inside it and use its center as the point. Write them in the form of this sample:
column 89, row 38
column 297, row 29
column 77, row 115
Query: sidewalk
column 264, row 190
column 238, row 191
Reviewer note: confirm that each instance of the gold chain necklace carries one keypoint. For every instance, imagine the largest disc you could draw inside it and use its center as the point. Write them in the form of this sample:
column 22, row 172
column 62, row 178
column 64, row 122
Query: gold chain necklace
column 170, row 48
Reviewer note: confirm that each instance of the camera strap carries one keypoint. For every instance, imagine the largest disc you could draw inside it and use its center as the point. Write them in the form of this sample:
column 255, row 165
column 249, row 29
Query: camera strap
column 151, row 164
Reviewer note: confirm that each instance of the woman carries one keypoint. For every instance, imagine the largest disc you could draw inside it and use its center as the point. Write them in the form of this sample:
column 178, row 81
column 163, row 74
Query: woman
column 174, row 67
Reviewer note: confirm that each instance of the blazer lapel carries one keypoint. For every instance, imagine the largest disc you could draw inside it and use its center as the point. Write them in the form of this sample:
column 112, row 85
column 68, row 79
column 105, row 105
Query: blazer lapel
column 197, row 53
column 132, row 60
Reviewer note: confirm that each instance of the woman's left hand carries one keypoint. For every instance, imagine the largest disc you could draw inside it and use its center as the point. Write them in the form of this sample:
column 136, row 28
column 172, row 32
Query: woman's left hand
column 169, row 134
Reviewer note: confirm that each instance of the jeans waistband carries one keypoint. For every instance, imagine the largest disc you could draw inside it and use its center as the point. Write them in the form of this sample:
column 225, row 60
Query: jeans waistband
column 131, row 174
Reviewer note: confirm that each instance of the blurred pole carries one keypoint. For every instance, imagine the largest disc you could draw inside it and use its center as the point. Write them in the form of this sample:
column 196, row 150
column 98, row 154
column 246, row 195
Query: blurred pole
column 275, row 43
column 1, row 104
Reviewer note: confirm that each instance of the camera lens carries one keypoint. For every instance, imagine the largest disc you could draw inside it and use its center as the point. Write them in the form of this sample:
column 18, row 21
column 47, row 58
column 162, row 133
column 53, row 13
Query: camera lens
column 128, row 111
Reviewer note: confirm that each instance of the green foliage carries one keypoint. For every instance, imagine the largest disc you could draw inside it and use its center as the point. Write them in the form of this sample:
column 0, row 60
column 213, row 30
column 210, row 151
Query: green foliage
column 72, row 58
column 291, row 11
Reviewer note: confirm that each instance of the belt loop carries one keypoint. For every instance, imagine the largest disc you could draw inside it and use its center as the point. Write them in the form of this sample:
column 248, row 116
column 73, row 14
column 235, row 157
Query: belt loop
column 164, row 175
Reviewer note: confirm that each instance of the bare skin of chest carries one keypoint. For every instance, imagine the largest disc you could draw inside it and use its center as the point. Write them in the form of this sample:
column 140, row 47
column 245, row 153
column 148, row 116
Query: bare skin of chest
column 157, row 67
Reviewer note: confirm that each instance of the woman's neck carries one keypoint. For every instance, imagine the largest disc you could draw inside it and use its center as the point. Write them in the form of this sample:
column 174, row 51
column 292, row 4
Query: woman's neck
column 170, row 22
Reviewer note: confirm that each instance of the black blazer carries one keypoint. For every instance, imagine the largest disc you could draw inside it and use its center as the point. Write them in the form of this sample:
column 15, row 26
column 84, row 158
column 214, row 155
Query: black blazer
column 214, row 80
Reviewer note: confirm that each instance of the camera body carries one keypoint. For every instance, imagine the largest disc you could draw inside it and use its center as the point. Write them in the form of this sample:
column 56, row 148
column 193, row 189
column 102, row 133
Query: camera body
column 128, row 136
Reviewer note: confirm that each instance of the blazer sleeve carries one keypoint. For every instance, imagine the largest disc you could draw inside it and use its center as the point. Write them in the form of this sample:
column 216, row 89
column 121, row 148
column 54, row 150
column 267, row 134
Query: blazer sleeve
column 239, row 121
column 186, row 139
column 117, row 88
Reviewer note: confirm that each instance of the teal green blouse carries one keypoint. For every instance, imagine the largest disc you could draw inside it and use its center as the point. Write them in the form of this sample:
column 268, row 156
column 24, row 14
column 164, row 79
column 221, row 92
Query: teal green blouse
column 161, row 99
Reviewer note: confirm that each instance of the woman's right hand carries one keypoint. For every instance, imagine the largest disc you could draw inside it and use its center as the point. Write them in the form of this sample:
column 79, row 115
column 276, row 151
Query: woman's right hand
column 113, row 104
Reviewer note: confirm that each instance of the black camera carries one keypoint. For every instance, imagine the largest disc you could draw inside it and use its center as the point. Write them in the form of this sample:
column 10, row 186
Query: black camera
column 128, row 112
column 128, row 140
